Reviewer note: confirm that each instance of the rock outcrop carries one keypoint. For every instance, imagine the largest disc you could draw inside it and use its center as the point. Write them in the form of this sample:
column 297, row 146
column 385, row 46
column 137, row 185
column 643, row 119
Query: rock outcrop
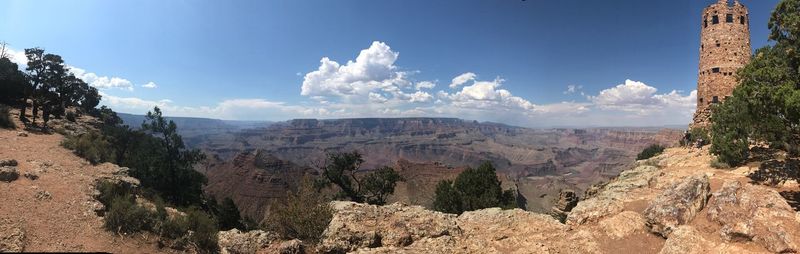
column 567, row 199
column 608, row 199
column 623, row 224
column 357, row 226
column 753, row 213
column 687, row 240
column 400, row 228
column 237, row 242
column 677, row 205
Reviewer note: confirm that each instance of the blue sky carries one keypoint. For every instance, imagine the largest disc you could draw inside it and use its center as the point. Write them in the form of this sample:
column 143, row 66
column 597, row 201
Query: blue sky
column 261, row 60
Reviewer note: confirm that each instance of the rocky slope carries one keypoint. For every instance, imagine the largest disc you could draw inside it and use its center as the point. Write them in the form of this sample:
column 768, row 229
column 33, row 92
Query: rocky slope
column 47, row 204
column 673, row 203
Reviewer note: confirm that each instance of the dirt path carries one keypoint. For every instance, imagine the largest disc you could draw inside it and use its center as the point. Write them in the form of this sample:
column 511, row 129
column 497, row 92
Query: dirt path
column 65, row 221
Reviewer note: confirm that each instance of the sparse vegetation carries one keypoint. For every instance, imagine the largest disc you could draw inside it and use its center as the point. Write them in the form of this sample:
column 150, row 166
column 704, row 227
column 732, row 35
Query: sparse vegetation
column 650, row 152
column 71, row 116
column 91, row 146
column 125, row 216
column 719, row 165
column 697, row 136
column 372, row 188
column 473, row 189
column 302, row 215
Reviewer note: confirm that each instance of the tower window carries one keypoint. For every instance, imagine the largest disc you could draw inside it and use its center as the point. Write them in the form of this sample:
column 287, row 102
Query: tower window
column 729, row 18
column 715, row 20
column 741, row 20
column 715, row 99
column 715, row 70
column 701, row 100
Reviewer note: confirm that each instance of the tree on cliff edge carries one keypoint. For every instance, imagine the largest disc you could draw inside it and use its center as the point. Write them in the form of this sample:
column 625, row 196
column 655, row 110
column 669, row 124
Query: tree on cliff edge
column 473, row 189
column 765, row 107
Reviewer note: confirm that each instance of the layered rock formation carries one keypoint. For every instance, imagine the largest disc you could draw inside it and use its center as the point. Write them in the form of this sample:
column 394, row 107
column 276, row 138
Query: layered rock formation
column 663, row 205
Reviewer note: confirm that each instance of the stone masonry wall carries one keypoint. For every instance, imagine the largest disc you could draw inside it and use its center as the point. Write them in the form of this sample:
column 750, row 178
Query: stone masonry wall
column 724, row 49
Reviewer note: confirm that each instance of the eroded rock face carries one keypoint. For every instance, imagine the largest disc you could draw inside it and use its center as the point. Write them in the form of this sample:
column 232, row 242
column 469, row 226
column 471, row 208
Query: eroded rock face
column 121, row 178
column 357, row 226
column 8, row 173
column 8, row 162
column 567, row 199
column 237, row 242
column 608, row 200
column 754, row 213
column 678, row 204
column 12, row 237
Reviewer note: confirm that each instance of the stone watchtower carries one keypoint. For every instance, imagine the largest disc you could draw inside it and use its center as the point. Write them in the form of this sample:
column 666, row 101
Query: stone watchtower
column 724, row 49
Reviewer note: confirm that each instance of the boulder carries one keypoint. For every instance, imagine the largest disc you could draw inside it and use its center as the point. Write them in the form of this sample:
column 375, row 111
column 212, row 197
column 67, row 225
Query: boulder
column 623, row 224
column 235, row 242
column 9, row 163
column 43, row 195
column 594, row 209
column 753, row 213
column 678, row 204
column 357, row 226
column 8, row 173
column 12, row 237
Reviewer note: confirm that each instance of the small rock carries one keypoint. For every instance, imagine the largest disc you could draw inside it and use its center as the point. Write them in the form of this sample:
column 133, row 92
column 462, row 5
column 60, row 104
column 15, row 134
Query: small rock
column 8, row 174
column 9, row 162
column 22, row 134
column 291, row 247
column 678, row 204
column 31, row 175
column 43, row 195
column 12, row 237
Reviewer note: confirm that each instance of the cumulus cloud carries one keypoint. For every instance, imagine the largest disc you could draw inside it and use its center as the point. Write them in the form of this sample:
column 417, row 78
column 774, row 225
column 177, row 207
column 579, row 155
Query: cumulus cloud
column 17, row 56
column 150, row 85
column 462, row 79
column 373, row 69
column 638, row 97
column 101, row 82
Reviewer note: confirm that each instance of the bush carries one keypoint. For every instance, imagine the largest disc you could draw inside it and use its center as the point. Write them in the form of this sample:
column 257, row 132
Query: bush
column 91, row 146
column 229, row 216
column 650, row 152
column 303, row 215
column 125, row 216
column 5, row 118
column 473, row 189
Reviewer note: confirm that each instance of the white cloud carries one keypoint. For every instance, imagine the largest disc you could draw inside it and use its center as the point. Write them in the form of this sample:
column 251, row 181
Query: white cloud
column 101, row 82
column 638, row 97
column 372, row 70
column 571, row 89
column 150, row 85
column 425, row 85
column 17, row 57
column 462, row 79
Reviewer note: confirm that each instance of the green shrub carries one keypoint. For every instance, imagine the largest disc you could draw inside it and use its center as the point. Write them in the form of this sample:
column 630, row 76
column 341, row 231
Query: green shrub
column 650, row 152
column 91, row 146
column 125, row 216
column 473, row 189
column 5, row 118
column 110, row 191
column 204, row 230
column 303, row 215
column 372, row 188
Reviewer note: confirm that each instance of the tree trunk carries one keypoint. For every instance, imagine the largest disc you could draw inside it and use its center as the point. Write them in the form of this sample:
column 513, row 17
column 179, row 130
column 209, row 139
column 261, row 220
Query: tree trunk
column 23, row 106
column 34, row 112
